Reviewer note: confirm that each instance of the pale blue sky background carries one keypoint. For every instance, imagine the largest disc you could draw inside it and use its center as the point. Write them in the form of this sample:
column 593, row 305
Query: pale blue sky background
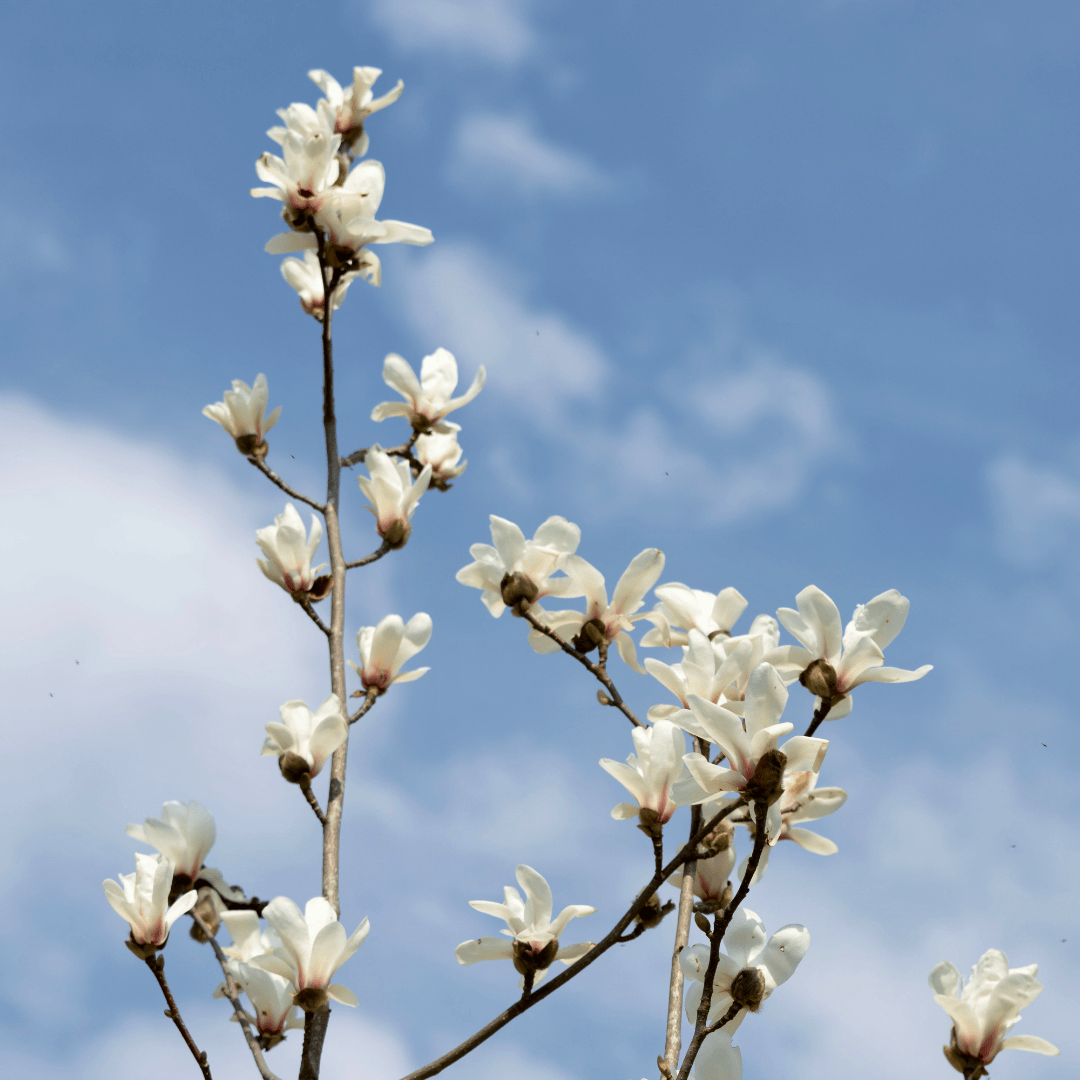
column 786, row 289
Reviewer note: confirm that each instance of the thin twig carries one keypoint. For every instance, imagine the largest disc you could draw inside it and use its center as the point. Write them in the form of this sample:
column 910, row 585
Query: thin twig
column 635, row 933
column 274, row 478
column 613, row 937
column 232, row 992
column 725, row 1019
column 314, row 616
column 373, row 557
column 157, row 965
column 594, row 669
column 673, row 1039
column 403, row 451
column 819, row 715
column 369, row 699
column 313, row 802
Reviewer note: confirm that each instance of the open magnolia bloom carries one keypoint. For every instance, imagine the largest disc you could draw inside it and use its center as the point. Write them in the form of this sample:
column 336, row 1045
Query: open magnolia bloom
column 313, row 947
column 705, row 671
column 184, row 834
column 985, row 1010
column 831, row 666
column 758, row 764
column 303, row 741
column 305, row 276
column 533, row 943
column 441, row 451
column 650, row 774
column 304, row 177
column 143, row 899
column 243, row 415
column 602, row 622
column 289, row 550
column 384, row 648
column 714, row 614
column 763, row 636
column 711, row 874
column 393, row 494
column 427, row 399
column 350, row 108
column 516, row 572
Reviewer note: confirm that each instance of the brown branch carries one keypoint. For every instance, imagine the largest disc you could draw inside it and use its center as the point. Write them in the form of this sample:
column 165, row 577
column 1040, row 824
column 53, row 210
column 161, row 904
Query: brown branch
column 157, row 965
column 819, row 715
column 232, row 992
column 725, row 1019
column 274, row 478
column 313, row 802
column 373, row 557
column 613, row 937
column 673, row 1039
column 369, row 699
column 403, row 451
column 314, row 1034
column 595, row 669
column 313, row 615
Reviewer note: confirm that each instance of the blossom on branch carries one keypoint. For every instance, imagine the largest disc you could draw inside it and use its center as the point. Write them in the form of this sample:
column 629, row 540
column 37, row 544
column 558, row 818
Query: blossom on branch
column 649, row 775
column 243, row 415
column 427, row 399
column 985, row 1010
column 184, row 834
column 831, row 666
column 705, row 671
column 303, row 741
column 313, row 947
column 304, row 177
column 713, row 614
column 350, row 108
column 393, row 494
column 534, row 937
column 601, row 622
column 306, row 277
column 143, row 899
column 516, row 572
column 441, row 451
column 384, row 648
column 289, row 550
column 711, row 875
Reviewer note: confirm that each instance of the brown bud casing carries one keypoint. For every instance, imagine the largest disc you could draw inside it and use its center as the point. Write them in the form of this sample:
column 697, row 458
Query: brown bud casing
column 312, row 999
column 527, row 959
column 766, row 785
column 819, row 678
column 653, row 912
column 590, row 636
column 252, row 446
column 519, row 592
column 207, row 910
column 397, row 535
column 748, row 989
column 649, row 822
column 294, row 768
column 143, row 952
column 321, row 588
column 702, row 923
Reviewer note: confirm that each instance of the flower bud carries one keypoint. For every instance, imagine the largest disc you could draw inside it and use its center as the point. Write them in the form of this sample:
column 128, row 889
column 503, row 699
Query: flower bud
column 719, row 839
column 766, row 785
column 528, row 958
column 295, row 769
column 252, row 446
column 820, row 679
column 649, row 822
column 321, row 588
column 748, row 988
column 653, row 912
column 312, row 999
column 206, row 907
column 589, row 637
column 397, row 535
column 519, row 591
column 702, row 923
column 143, row 952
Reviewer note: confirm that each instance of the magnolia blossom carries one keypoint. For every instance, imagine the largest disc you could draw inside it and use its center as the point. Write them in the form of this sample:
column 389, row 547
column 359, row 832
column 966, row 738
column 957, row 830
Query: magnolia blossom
column 305, row 276
column 288, row 550
column 313, row 946
column 350, row 108
column 758, row 764
column 704, row 671
column 650, row 774
column 184, row 834
column 305, row 175
column 303, row 741
column 602, row 622
column 829, row 666
column 441, row 451
column 243, row 414
column 517, row 572
column 713, row 614
column 427, row 399
column 984, row 1011
column 711, row 874
column 384, row 648
column 393, row 494
column 746, row 974
column 143, row 899
column 534, row 937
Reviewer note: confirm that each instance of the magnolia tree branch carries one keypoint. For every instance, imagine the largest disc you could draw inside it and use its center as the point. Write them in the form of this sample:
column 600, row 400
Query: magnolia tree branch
column 232, row 992
column 274, row 478
column 313, row 615
column 595, row 669
column 819, row 715
column 373, row 557
column 673, row 1040
column 403, row 451
column 156, row 964
column 313, row 802
column 613, row 937
column 369, row 699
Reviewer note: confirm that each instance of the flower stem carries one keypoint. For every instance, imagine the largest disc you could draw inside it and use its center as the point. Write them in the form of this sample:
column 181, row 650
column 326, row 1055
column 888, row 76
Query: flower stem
column 673, row 1042
column 157, row 965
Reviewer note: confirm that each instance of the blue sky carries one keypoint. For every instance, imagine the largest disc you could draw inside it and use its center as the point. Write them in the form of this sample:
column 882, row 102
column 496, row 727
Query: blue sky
column 785, row 289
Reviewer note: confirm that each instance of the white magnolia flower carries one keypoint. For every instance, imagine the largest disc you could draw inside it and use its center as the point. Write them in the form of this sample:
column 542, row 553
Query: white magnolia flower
column 748, row 973
column 313, row 947
column 248, row 937
column 289, row 550
column 441, row 451
column 243, row 414
column 384, row 648
column 533, row 943
column 427, row 399
column 143, row 899
column 831, row 666
column 516, row 571
column 184, row 834
column 305, row 276
column 713, row 614
column 764, row 637
column 302, row 119
column 757, row 764
column 705, row 672
column 393, row 494
column 711, row 875
column 304, row 177
column 985, row 1010
column 303, row 741
column 350, row 108
column 650, row 774
column 601, row 621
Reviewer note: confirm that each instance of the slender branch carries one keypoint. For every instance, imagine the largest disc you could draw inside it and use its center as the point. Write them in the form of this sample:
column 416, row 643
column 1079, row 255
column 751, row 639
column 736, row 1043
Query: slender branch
column 157, row 965
column 373, row 557
column 613, row 937
column 594, row 669
column 819, row 715
column 232, row 992
column 314, row 1034
column 369, row 699
column 635, row 933
column 404, row 451
column 673, row 1040
column 314, row 616
column 274, row 478
column 313, row 802
column 725, row 1019
column 658, row 851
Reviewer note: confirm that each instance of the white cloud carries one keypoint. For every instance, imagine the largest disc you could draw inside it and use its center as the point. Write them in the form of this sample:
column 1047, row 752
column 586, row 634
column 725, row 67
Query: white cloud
column 496, row 153
column 1036, row 509
column 495, row 30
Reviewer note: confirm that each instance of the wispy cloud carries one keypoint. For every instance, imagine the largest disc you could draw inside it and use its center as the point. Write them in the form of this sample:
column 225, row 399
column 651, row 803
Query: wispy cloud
column 1036, row 508
column 501, row 153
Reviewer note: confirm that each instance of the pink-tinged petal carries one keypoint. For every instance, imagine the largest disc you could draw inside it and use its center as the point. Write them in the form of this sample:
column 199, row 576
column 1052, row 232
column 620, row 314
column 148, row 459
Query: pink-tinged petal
column 711, row 778
column 485, row 948
column 630, row 779
column 327, row 737
column 537, row 896
column 860, row 657
column 590, row 581
column 668, row 676
column 811, row 841
column 892, row 675
column 1030, row 1042
column 789, row 660
column 624, row 811
column 390, row 408
column 722, row 726
column 289, row 923
column 819, row 611
column 326, row 951
column 342, row 994
column 276, row 965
